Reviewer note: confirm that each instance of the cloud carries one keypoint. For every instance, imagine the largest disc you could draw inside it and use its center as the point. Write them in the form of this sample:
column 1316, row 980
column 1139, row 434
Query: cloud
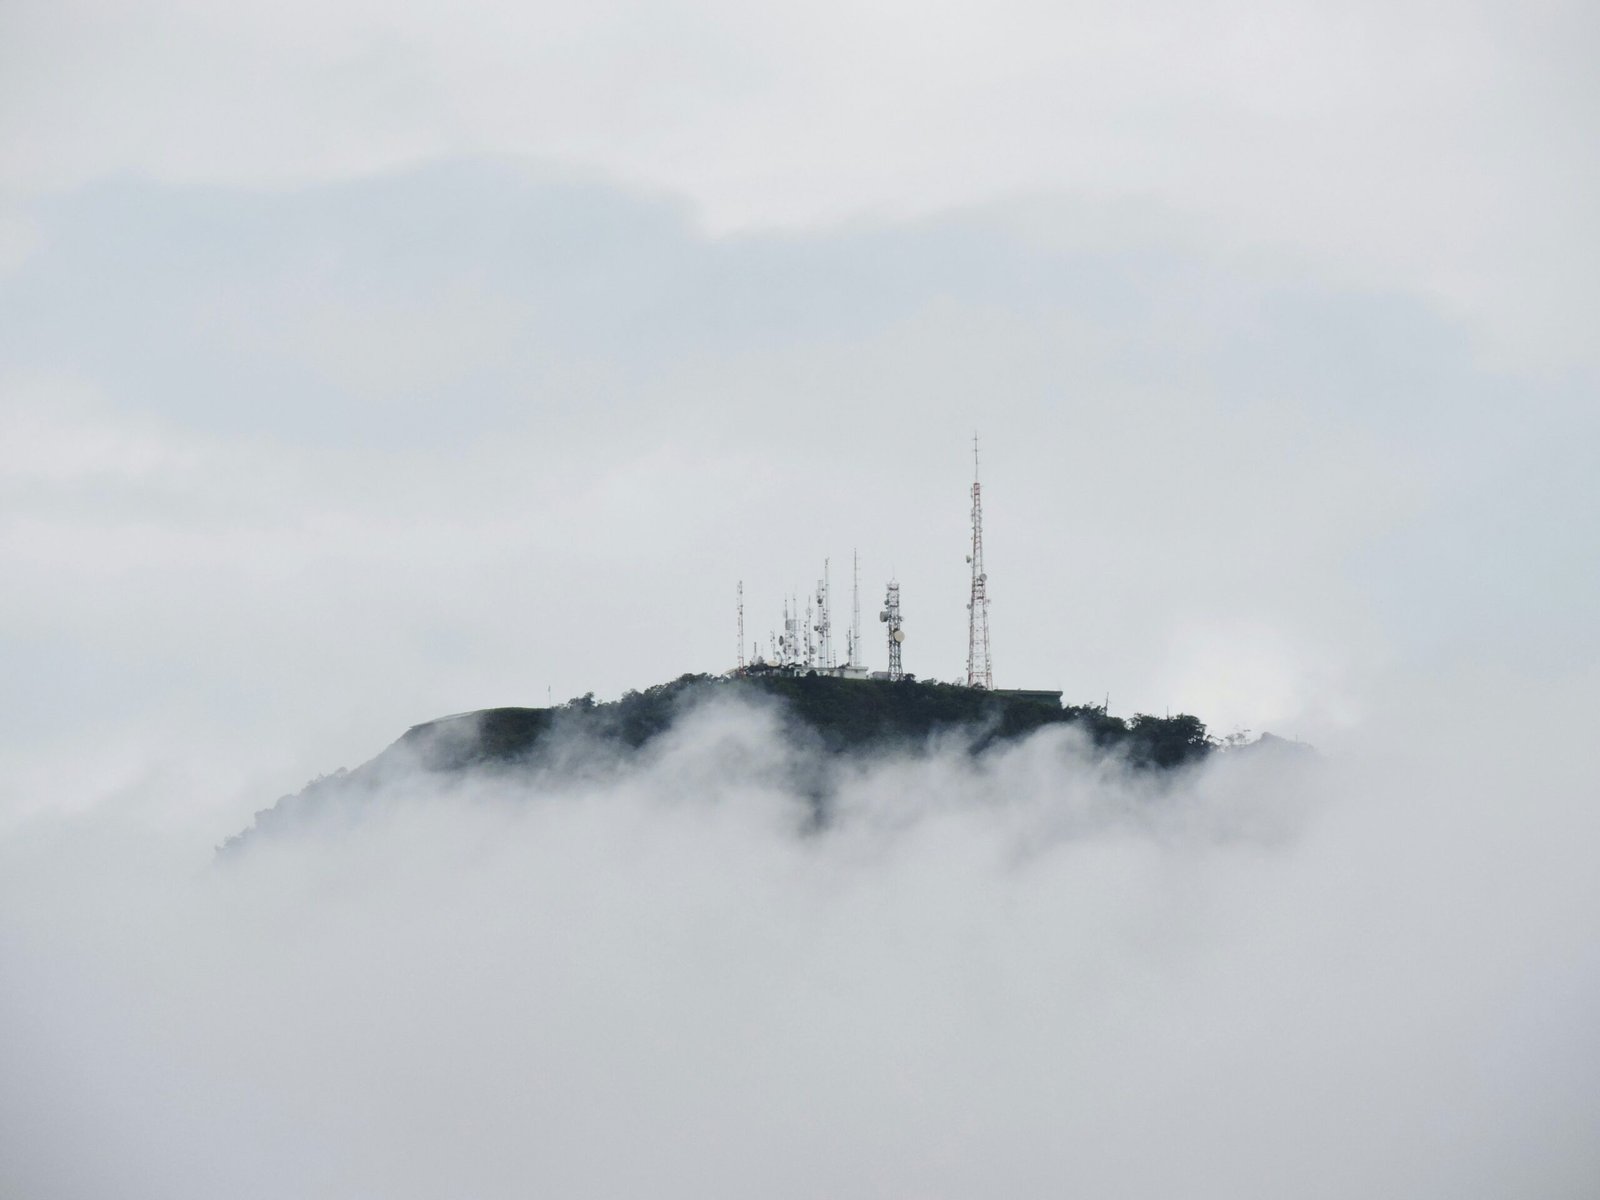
column 1028, row 974
column 1387, row 146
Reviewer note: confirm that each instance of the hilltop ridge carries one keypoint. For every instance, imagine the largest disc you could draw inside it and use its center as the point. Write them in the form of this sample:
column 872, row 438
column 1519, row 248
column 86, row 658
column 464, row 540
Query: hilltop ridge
column 828, row 716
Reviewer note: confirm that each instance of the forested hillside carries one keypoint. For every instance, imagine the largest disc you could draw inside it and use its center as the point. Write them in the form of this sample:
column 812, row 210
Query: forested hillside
column 829, row 716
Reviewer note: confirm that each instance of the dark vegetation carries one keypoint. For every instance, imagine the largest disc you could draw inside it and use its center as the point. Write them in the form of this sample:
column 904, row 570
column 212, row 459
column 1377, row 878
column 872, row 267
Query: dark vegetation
column 836, row 716
column 844, row 714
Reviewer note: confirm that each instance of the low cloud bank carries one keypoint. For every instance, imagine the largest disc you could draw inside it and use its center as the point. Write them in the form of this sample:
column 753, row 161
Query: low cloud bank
column 1032, row 974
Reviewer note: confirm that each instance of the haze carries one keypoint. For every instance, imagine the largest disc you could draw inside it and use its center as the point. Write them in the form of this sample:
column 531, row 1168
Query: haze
column 360, row 365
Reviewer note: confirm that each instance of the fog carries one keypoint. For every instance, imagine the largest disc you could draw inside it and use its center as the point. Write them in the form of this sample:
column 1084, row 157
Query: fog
column 1032, row 974
column 361, row 363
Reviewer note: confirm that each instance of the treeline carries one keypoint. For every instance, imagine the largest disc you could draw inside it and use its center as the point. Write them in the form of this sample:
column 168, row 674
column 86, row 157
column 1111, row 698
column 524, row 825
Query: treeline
column 833, row 715
column 849, row 713
column 842, row 714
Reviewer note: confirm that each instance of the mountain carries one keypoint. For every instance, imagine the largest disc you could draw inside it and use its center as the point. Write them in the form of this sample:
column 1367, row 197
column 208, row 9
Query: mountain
column 825, row 717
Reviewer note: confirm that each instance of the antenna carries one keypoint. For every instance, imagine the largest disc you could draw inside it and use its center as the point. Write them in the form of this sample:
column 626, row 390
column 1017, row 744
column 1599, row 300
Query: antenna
column 855, row 616
column 741, row 624
column 824, row 626
column 811, row 645
column 980, row 673
column 890, row 616
column 829, row 660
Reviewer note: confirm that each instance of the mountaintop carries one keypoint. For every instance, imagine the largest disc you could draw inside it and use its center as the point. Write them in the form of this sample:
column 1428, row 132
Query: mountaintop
column 827, row 717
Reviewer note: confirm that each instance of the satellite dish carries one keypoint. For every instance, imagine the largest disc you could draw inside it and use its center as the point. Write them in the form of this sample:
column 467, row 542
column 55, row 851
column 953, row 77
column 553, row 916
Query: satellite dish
column 983, row 578
column 899, row 635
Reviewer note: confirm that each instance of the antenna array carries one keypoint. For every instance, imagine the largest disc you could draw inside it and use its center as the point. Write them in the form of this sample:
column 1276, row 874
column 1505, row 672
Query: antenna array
column 804, row 641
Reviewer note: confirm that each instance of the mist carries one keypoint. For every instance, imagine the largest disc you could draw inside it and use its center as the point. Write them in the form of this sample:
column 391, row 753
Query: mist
column 1029, row 974
column 365, row 363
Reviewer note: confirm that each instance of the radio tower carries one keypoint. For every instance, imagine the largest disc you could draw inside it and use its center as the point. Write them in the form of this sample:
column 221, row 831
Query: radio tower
column 741, row 625
column 824, row 625
column 855, row 616
column 787, row 642
column 811, row 645
column 980, row 671
column 890, row 616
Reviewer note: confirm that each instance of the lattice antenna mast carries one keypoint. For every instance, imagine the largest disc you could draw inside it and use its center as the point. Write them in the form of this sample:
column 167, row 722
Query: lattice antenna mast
column 824, row 626
column 855, row 615
column 810, row 631
column 890, row 616
column 741, row 625
column 980, row 670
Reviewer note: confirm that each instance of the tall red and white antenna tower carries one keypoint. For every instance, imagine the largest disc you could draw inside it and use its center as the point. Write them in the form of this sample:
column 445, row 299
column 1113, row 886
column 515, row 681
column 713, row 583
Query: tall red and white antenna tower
column 980, row 670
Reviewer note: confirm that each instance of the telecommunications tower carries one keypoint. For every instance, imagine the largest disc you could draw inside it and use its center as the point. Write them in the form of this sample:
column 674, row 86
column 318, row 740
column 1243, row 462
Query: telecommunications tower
column 789, row 644
column 890, row 616
column 824, row 625
column 741, row 624
column 980, row 670
column 855, row 615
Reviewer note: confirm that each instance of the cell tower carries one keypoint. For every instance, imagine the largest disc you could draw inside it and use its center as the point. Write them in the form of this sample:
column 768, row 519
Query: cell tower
column 855, row 615
column 741, row 624
column 890, row 616
column 980, row 669
column 824, row 626
column 789, row 643
column 810, row 629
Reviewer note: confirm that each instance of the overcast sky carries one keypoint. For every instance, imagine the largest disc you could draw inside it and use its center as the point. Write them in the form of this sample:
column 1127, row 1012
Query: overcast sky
column 364, row 362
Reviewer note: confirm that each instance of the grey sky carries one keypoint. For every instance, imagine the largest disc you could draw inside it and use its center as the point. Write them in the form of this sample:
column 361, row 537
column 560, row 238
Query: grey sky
column 480, row 429
column 361, row 363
